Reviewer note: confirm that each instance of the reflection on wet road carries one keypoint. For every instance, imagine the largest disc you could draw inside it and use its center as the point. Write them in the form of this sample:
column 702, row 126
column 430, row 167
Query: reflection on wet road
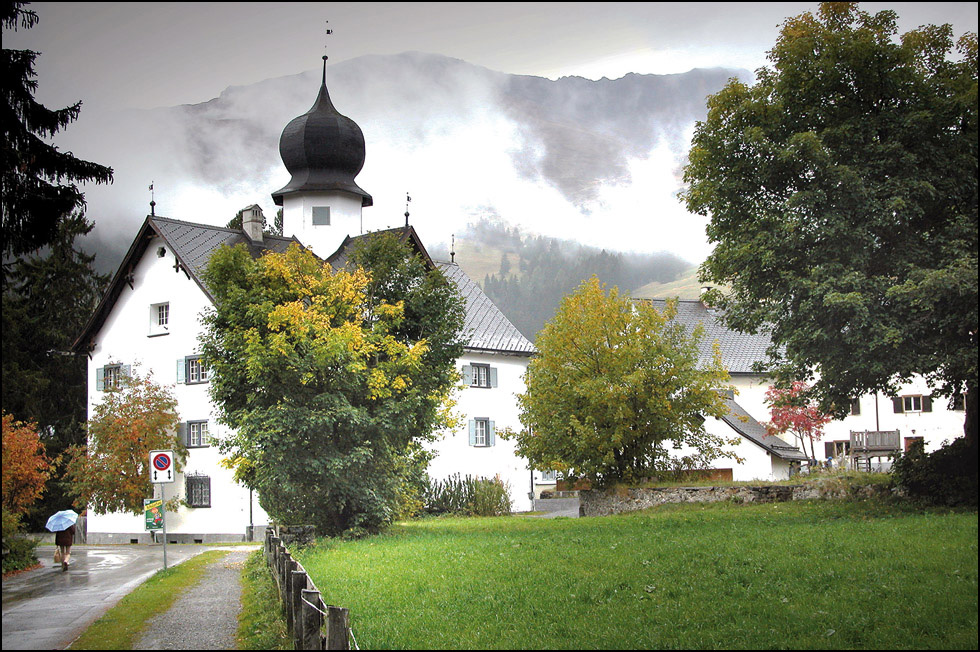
column 48, row 608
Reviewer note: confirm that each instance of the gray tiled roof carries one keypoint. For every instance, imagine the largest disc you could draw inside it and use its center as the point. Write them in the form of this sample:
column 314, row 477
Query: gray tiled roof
column 193, row 243
column 486, row 326
column 745, row 425
column 739, row 351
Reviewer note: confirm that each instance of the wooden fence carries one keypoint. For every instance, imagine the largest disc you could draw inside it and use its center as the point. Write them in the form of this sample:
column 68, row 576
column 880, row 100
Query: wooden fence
column 313, row 624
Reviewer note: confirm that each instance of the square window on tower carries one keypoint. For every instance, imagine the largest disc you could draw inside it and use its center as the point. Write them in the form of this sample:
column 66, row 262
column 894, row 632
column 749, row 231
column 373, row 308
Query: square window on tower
column 321, row 216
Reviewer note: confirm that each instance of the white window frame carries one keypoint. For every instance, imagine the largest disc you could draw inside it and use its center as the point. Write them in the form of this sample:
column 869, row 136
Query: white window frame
column 481, row 432
column 909, row 403
column 197, row 371
column 159, row 319
column 481, row 375
column 112, row 377
column 197, row 431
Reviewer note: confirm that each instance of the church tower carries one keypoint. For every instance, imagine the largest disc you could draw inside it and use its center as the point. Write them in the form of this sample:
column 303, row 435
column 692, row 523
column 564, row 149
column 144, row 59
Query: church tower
column 323, row 151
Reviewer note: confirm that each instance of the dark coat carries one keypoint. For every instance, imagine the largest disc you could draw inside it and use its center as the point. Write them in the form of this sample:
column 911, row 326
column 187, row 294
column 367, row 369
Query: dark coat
column 65, row 537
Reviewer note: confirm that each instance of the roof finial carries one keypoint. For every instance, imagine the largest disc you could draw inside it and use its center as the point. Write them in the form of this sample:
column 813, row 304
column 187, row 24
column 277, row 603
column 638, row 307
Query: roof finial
column 329, row 32
column 407, row 200
column 452, row 250
column 152, row 203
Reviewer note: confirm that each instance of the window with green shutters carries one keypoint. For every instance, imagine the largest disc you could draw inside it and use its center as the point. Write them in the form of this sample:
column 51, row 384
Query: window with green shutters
column 109, row 377
column 479, row 375
column 482, row 433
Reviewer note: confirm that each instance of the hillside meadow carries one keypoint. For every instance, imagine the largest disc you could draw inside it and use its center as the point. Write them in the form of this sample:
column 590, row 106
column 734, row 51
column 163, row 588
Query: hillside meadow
column 822, row 574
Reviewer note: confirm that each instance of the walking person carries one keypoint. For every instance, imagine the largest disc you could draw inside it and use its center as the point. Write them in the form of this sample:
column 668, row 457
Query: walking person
column 63, row 526
column 63, row 539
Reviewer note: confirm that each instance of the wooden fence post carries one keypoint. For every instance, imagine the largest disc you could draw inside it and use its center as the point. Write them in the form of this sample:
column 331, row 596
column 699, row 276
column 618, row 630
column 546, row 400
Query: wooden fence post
column 312, row 618
column 297, row 586
column 284, row 559
column 287, row 593
column 337, row 625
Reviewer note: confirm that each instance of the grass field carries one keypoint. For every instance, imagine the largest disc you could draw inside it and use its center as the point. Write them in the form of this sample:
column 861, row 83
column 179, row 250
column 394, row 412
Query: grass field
column 791, row 575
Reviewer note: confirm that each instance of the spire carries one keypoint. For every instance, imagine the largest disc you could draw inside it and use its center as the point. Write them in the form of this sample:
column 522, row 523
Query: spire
column 322, row 149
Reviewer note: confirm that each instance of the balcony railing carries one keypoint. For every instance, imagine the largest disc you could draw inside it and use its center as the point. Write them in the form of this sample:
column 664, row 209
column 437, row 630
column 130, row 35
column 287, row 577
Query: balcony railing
column 866, row 441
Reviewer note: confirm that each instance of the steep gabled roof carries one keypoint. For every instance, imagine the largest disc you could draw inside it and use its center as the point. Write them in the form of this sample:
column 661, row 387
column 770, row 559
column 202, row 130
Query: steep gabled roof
column 487, row 328
column 739, row 351
column 743, row 423
column 191, row 244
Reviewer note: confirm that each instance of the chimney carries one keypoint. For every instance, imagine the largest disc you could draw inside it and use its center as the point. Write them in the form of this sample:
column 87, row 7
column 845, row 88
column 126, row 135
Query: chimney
column 252, row 223
column 704, row 290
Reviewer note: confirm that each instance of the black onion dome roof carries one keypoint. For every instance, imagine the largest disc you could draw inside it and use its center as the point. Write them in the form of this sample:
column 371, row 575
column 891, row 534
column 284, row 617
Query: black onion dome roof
column 323, row 150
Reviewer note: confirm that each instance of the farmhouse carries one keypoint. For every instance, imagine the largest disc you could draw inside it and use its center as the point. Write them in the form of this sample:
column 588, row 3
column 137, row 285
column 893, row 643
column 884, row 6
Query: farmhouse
column 909, row 415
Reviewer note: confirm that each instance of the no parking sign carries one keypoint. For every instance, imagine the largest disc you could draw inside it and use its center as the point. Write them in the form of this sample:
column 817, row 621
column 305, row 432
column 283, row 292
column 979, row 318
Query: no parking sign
column 162, row 466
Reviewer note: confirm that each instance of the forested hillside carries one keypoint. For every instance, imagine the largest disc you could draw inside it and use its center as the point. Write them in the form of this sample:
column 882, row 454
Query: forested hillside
column 527, row 276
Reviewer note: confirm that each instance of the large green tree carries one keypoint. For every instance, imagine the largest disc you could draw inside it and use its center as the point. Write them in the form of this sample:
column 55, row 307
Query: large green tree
column 617, row 393
column 38, row 180
column 47, row 299
column 842, row 194
column 331, row 379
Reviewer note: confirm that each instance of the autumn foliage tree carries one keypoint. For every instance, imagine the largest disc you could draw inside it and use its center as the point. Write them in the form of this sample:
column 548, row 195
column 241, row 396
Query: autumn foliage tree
column 794, row 411
column 111, row 474
column 330, row 379
column 618, row 391
column 26, row 467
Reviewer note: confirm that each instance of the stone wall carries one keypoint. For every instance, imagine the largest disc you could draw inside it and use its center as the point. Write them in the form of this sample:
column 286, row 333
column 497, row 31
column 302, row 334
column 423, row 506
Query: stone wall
column 615, row 501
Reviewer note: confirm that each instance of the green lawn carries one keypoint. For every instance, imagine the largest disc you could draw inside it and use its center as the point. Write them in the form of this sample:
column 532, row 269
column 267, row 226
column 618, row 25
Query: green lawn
column 789, row 575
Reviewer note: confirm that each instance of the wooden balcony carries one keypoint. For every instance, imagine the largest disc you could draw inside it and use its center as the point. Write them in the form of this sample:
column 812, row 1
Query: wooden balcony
column 875, row 442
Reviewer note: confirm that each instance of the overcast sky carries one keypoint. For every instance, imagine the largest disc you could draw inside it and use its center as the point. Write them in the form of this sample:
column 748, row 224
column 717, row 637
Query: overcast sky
column 144, row 55
column 115, row 56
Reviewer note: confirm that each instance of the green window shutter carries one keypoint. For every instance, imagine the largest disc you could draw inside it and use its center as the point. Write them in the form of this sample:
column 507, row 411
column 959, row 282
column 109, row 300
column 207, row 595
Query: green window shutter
column 927, row 404
column 467, row 376
column 491, row 435
column 181, row 371
column 472, row 432
column 185, row 433
column 493, row 376
column 125, row 370
column 897, row 404
column 100, row 379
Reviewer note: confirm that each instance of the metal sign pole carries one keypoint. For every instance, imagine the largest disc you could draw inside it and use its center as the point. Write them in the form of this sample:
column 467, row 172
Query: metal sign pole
column 163, row 510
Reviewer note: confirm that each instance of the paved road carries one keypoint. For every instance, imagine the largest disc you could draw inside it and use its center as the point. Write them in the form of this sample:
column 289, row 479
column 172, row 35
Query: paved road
column 47, row 609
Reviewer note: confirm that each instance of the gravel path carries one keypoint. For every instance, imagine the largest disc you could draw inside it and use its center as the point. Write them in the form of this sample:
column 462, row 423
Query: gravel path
column 206, row 616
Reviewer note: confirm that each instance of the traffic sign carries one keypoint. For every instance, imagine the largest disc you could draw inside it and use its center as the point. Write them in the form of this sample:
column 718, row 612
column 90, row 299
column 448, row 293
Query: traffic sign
column 162, row 466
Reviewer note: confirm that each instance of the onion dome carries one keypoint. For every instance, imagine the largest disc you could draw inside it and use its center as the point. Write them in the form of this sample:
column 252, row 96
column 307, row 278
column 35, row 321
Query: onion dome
column 323, row 150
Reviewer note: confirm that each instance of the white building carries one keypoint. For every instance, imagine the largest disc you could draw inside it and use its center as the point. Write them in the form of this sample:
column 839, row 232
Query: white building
column 149, row 318
column 911, row 412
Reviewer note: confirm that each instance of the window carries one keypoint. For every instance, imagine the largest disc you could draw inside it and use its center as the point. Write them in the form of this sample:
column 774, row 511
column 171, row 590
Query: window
column 482, row 433
column 479, row 375
column 198, row 488
column 855, row 407
column 321, row 216
column 957, row 402
column 192, row 370
column 159, row 319
column 548, row 477
column 196, row 434
column 912, row 403
column 109, row 377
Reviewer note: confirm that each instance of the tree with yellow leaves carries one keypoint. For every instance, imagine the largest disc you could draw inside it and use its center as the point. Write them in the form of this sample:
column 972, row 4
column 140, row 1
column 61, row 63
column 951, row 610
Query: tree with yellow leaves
column 331, row 379
column 617, row 391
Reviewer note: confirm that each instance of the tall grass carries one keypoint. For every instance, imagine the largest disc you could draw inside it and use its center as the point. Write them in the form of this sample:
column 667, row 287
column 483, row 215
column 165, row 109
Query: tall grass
column 472, row 496
column 789, row 575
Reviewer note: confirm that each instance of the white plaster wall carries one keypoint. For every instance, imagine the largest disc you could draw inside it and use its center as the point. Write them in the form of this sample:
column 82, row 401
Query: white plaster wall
column 455, row 455
column 324, row 240
column 124, row 338
column 936, row 427
column 756, row 462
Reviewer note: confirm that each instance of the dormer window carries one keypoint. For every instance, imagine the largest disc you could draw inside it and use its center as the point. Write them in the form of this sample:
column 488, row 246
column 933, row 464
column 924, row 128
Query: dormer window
column 159, row 319
column 321, row 216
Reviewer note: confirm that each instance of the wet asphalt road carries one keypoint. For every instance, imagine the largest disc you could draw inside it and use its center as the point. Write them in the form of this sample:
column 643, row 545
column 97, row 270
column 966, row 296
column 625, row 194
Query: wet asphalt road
column 47, row 609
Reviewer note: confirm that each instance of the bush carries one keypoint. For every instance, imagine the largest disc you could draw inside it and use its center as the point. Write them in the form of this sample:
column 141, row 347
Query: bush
column 947, row 476
column 19, row 549
column 467, row 495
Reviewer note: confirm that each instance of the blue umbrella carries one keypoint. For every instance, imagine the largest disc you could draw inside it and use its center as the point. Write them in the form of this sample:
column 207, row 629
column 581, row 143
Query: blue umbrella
column 62, row 520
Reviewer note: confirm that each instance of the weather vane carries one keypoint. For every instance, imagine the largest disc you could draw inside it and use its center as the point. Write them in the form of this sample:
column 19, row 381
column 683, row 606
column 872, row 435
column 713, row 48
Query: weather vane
column 329, row 32
column 407, row 200
column 152, row 203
